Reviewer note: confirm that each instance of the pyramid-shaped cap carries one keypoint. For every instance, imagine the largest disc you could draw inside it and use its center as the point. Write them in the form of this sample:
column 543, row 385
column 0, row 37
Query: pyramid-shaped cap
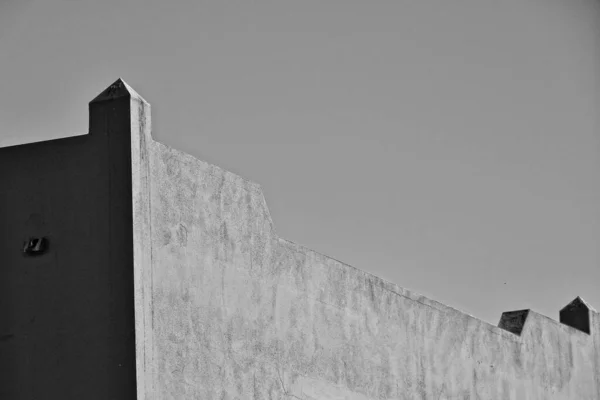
column 118, row 89
column 578, row 304
column 576, row 314
column 513, row 321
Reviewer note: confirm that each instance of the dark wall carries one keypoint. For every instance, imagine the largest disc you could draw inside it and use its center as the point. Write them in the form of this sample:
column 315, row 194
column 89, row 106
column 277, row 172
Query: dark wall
column 67, row 316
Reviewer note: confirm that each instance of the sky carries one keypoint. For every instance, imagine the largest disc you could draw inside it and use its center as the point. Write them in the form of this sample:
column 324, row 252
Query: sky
column 450, row 147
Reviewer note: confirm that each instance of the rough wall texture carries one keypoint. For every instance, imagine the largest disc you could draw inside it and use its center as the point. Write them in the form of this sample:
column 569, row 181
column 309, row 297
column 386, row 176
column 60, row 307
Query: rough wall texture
column 224, row 308
column 239, row 313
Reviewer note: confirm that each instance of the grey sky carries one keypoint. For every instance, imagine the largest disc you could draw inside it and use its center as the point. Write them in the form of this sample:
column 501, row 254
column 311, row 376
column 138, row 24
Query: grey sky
column 451, row 147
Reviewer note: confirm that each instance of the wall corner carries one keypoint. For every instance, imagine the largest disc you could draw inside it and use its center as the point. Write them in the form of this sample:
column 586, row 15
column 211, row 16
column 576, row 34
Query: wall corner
column 141, row 137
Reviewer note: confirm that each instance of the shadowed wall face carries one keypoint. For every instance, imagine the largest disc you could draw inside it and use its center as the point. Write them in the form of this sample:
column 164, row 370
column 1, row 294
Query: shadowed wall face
column 67, row 319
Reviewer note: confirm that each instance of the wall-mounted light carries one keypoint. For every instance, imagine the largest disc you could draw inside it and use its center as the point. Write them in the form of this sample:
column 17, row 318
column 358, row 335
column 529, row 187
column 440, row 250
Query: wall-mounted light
column 35, row 246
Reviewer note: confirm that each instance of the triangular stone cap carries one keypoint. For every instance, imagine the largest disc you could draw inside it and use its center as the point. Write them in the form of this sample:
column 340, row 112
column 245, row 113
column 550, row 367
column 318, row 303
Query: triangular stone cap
column 578, row 303
column 118, row 89
column 513, row 321
column 576, row 314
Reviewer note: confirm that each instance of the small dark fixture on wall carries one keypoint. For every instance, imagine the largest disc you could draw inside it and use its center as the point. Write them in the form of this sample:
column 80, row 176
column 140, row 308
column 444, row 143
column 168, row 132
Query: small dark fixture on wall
column 35, row 246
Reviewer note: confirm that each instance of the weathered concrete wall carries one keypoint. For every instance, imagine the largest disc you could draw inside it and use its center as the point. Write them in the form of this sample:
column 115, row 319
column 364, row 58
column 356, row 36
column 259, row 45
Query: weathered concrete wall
column 224, row 308
column 239, row 313
column 67, row 316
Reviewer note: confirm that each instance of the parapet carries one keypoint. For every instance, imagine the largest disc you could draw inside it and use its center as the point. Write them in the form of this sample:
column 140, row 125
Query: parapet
column 576, row 314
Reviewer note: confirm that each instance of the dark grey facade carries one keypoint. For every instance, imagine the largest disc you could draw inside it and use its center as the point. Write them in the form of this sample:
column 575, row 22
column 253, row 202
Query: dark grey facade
column 67, row 315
